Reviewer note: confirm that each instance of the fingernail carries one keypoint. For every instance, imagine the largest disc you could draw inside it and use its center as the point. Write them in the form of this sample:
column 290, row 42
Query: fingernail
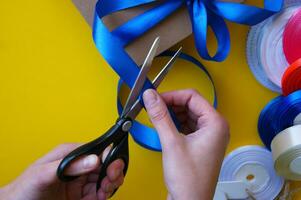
column 109, row 188
column 90, row 161
column 149, row 97
column 116, row 174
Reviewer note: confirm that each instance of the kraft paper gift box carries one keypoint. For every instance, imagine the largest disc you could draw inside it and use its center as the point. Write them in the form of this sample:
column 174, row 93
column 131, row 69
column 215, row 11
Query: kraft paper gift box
column 171, row 30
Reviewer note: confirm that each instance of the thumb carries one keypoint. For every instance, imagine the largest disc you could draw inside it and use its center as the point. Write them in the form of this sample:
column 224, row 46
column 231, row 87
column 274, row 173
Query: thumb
column 83, row 165
column 159, row 115
column 46, row 173
column 79, row 167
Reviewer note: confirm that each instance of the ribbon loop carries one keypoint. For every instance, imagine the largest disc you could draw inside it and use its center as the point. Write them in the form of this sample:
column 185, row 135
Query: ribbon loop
column 199, row 13
column 136, row 26
column 245, row 14
column 203, row 13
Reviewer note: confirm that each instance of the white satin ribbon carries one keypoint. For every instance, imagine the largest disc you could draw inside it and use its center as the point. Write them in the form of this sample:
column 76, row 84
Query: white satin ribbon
column 253, row 165
column 264, row 51
column 286, row 149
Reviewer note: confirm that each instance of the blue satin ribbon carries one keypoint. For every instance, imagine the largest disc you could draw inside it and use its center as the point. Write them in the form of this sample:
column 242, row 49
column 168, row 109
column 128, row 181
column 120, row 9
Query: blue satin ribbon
column 146, row 136
column 278, row 115
column 203, row 13
column 111, row 43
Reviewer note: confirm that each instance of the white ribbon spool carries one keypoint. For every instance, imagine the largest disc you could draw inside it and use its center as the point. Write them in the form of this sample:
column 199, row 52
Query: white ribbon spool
column 231, row 190
column 253, row 165
column 286, row 149
column 265, row 54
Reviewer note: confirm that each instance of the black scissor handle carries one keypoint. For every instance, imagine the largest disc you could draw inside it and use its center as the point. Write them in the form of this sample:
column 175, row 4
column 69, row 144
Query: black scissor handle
column 119, row 151
column 113, row 136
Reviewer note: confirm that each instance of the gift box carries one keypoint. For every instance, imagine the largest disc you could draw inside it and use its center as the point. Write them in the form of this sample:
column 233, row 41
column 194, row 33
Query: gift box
column 171, row 30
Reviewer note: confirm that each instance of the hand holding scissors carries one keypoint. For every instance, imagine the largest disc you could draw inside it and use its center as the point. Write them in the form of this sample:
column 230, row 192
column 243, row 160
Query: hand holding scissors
column 117, row 135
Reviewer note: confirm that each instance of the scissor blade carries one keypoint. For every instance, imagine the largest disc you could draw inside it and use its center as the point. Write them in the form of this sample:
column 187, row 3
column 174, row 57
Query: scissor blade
column 156, row 82
column 159, row 78
column 138, row 85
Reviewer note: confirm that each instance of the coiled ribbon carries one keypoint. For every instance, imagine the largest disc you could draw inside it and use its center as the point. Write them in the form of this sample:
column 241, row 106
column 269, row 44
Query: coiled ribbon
column 279, row 128
column 265, row 54
column 253, row 165
column 286, row 149
column 111, row 43
column 279, row 114
column 292, row 38
column 291, row 79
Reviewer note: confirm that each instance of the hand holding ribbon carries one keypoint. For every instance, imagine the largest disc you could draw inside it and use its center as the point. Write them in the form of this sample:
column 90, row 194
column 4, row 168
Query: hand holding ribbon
column 111, row 43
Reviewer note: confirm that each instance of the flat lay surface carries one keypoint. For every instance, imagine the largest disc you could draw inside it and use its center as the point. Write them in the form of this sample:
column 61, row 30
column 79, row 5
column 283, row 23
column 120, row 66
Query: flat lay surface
column 55, row 87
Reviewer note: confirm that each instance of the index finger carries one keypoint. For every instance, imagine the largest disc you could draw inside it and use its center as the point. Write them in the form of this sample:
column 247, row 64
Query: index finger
column 190, row 99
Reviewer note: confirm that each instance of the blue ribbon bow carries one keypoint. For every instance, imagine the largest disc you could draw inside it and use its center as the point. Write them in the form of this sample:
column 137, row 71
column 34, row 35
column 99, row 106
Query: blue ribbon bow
column 203, row 13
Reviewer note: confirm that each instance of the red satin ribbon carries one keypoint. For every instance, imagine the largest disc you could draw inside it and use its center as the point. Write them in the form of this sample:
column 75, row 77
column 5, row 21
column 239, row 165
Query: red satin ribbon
column 291, row 79
column 292, row 38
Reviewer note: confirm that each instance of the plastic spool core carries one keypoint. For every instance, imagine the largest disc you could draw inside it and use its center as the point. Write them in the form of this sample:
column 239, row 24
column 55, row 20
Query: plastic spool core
column 295, row 165
column 297, row 120
column 250, row 177
column 219, row 195
column 254, row 175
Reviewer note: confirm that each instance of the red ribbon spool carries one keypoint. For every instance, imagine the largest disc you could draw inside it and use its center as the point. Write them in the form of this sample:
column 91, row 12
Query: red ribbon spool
column 292, row 38
column 291, row 79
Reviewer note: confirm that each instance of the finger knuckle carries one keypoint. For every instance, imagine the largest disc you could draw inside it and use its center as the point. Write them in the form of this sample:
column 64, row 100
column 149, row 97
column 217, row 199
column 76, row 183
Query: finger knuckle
column 158, row 114
column 222, row 126
column 62, row 146
column 193, row 91
column 66, row 145
column 42, row 173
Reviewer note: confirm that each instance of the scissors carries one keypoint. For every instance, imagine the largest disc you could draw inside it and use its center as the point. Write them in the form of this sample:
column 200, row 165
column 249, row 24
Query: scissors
column 117, row 135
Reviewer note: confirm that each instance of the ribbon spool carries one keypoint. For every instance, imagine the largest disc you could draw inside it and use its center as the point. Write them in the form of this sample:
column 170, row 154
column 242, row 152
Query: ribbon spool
column 253, row 165
column 266, row 121
column 264, row 50
column 291, row 80
column 279, row 114
column 231, row 190
column 286, row 149
column 292, row 39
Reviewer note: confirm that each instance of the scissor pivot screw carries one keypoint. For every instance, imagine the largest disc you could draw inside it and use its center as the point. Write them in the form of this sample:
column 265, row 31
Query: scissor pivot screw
column 126, row 126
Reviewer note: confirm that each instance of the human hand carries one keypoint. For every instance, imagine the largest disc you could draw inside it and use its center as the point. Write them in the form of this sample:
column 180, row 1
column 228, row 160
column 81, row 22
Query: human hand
column 191, row 160
column 39, row 181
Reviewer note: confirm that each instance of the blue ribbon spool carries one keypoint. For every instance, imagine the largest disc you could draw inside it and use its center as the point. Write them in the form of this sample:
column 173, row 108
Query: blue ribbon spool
column 279, row 114
column 204, row 13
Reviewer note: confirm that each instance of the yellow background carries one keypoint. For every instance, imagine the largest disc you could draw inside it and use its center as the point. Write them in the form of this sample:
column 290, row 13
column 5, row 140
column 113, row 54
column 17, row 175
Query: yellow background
column 55, row 87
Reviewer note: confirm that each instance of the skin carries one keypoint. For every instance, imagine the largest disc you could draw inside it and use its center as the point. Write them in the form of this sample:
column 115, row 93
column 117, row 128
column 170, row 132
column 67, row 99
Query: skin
column 191, row 158
column 39, row 181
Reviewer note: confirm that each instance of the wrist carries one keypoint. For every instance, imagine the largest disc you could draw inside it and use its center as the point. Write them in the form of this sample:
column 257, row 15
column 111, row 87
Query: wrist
column 195, row 194
column 187, row 196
